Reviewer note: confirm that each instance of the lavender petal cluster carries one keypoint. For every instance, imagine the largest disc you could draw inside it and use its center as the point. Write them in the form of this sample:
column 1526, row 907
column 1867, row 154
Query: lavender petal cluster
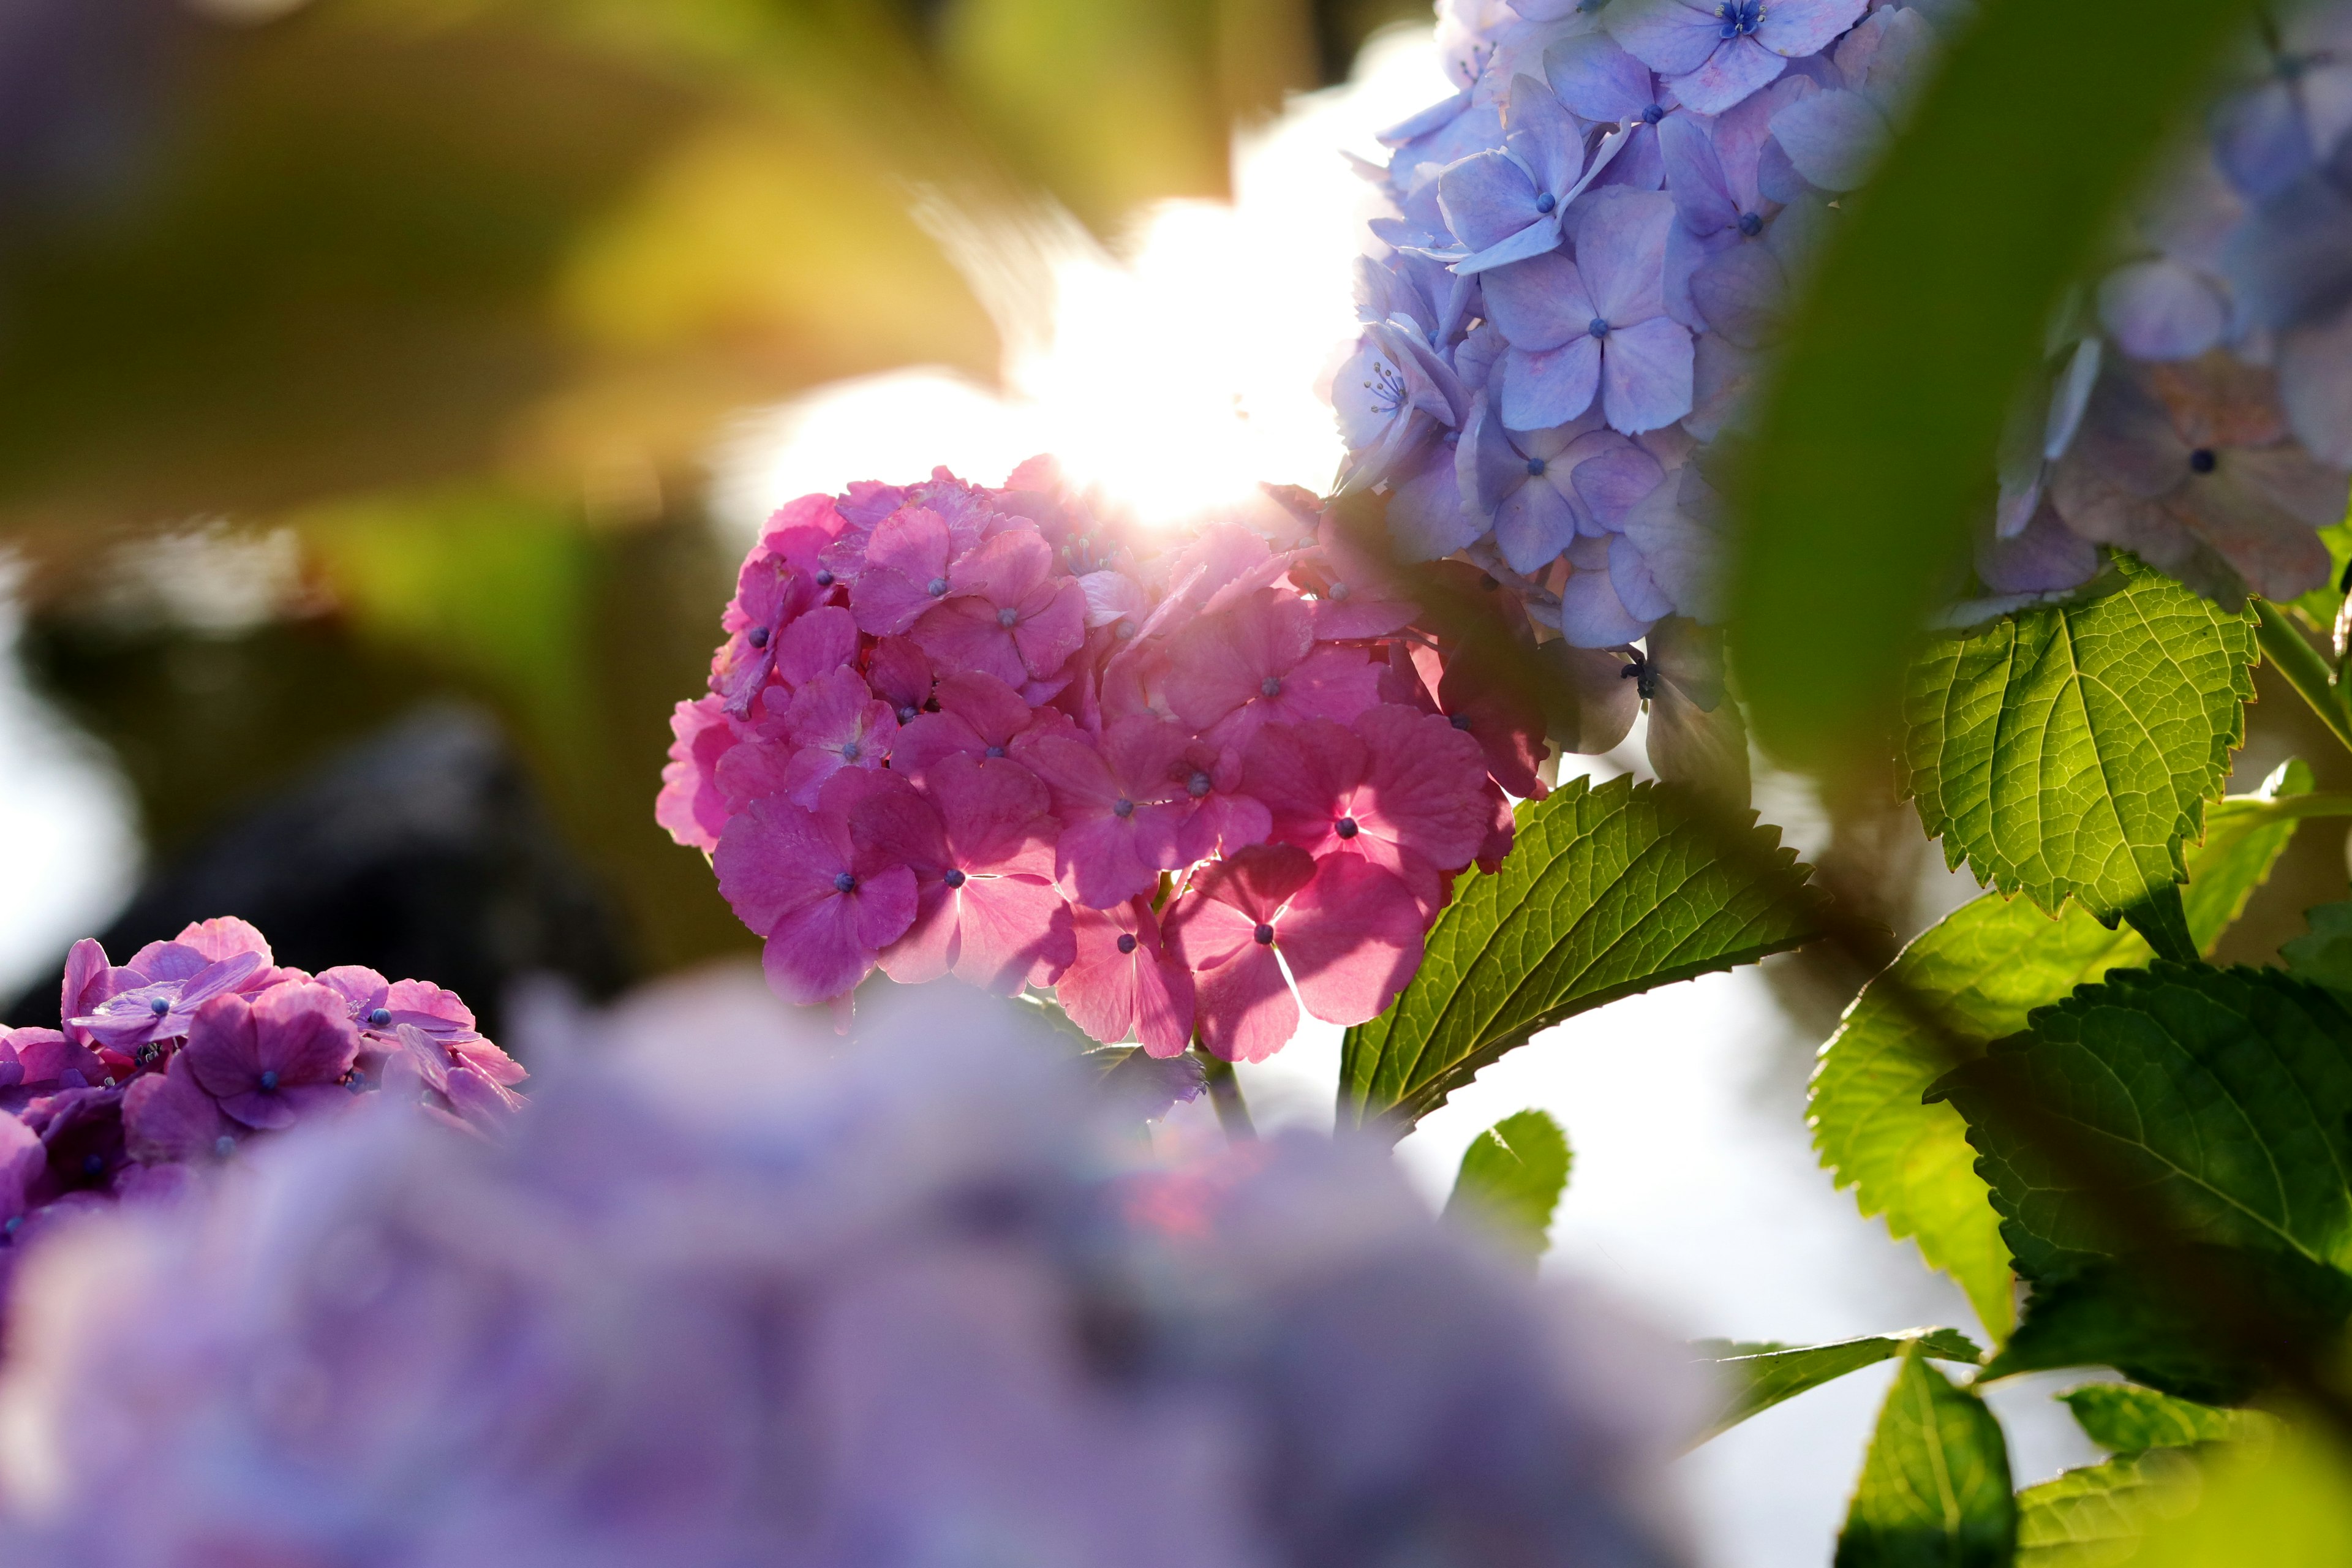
column 1594, row 244
column 905, row 1307
column 171, row 1063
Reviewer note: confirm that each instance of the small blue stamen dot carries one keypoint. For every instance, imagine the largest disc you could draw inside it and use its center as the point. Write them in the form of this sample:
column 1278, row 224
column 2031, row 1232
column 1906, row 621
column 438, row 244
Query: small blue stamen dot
column 1598, row 327
column 2203, row 462
column 1536, row 468
column 1197, row 785
column 954, row 879
column 380, row 1019
column 1265, row 934
column 1751, row 224
column 844, row 883
column 1338, row 592
column 1006, row 616
column 1653, row 114
column 936, row 586
column 851, row 751
column 995, row 751
column 270, row 1080
column 757, row 637
column 1547, row 201
column 1126, row 941
column 1270, row 687
column 1460, row 720
column 823, row 578
column 1345, row 827
column 224, row 1146
column 1122, row 807
column 159, row 1006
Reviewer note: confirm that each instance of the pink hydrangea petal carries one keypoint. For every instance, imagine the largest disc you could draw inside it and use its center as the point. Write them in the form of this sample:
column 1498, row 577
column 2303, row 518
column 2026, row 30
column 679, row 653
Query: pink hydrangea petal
column 223, row 1047
column 815, row 951
column 900, row 674
column 1014, row 930
column 965, row 634
column 1221, row 662
column 1301, row 771
column 167, row 1117
column 1245, row 1011
column 776, row 859
column 304, row 1033
column 820, row 642
column 988, row 704
column 995, row 818
column 1352, row 938
column 1423, row 783
column 1052, row 627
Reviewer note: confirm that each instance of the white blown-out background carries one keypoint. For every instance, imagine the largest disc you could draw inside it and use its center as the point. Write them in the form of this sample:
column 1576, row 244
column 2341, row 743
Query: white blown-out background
column 1175, row 376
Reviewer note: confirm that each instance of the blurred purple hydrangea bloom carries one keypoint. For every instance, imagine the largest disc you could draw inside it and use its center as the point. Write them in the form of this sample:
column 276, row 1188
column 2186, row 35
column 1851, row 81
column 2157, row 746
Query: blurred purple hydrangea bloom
column 911, row 1306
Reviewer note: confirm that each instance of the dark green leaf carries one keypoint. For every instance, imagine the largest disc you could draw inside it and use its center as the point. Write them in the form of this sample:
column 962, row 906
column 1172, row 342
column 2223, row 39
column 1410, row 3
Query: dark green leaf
column 2097, row 1515
column 2123, row 1420
column 1935, row 1486
column 1512, row 1175
column 1875, row 454
column 1761, row 1373
column 1607, row 892
column 1982, row 969
column 2135, row 1316
column 2220, row 1096
column 2068, row 751
column 2324, row 953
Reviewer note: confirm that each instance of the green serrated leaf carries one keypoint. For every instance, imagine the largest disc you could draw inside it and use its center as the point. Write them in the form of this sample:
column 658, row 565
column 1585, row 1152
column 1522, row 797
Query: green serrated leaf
column 1935, row 1486
column 2096, row 1516
column 1984, row 968
column 1759, row 1374
column 2126, row 1420
column 2219, row 1095
column 2286, row 1504
column 2068, row 751
column 1511, row 1177
column 2323, row 954
column 2323, row 602
column 2133, row 1316
column 1607, row 892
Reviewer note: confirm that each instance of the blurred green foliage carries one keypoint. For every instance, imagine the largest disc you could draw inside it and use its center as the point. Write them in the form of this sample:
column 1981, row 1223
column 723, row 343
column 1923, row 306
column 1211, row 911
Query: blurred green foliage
column 462, row 292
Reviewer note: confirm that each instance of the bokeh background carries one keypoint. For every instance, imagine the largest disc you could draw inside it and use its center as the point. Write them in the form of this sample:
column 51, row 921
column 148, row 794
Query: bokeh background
column 387, row 388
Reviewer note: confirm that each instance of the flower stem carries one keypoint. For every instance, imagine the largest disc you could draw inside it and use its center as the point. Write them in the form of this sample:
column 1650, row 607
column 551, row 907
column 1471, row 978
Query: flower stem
column 2295, row 658
column 1225, row 1094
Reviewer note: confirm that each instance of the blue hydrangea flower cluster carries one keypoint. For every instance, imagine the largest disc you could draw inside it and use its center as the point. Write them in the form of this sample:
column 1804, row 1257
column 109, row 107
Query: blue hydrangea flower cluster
column 1594, row 243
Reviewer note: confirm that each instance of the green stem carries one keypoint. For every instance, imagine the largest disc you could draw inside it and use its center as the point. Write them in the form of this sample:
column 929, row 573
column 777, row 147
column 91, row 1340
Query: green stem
column 2292, row 655
column 1225, row 1094
column 2295, row 807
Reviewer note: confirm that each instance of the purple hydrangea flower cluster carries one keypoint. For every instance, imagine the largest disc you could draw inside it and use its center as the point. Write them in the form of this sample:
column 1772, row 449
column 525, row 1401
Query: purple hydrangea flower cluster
column 1594, row 242
column 1194, row 784
column 909, row 1306
column 173, row 1061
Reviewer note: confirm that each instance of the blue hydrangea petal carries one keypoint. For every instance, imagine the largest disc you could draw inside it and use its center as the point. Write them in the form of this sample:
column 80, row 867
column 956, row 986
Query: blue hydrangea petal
column 1637, row 587
column 2291, row 260
column 1538, row 239
column 1539, row 303
column 1534, row 525
column 1615, row 479
column 1833, row 139
column 1679, row 530
column 1597, row 79
column 2260, row 139
column 1671, row 36
column 1695, row 176
column 1590, row 613
column 1738, row 69
column 1544, row 389
column 1742, row 292
column 2315, row 369
column 1429, row 121
column 1646, row 375
column 1426, row 518
column 1544, row 137
column 1621, row 254
column 2160, row 309
column 1487, row 198
column 1805, row 27
column 2044, row 557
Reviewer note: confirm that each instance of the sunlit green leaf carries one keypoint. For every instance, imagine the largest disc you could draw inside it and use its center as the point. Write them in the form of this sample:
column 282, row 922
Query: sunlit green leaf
column 2096, row 1516
column 1757, row 1374
column 1935, row 1485
column 2123, row 1420
column 1981, row 970
column 1607, row 892
column 1512, row 1176
column 2068, row 751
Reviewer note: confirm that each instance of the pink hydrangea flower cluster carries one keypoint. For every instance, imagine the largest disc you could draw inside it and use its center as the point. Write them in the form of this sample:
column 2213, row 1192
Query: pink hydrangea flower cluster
column 173, row 1059
column 1189, row 784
